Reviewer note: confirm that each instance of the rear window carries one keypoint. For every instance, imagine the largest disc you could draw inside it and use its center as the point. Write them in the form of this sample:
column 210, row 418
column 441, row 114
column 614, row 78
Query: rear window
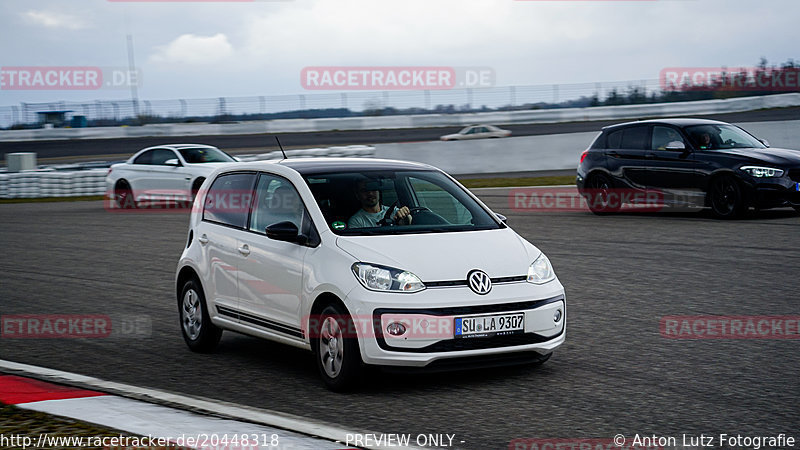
column 228, row 199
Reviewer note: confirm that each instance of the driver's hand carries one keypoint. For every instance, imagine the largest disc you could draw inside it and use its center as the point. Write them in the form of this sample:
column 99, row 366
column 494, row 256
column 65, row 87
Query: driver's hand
column 402, row 215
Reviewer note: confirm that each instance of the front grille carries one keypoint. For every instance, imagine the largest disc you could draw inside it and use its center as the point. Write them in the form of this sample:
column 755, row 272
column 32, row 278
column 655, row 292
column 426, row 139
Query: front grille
column 794, row 174
column 461, row 344
column 454, row 283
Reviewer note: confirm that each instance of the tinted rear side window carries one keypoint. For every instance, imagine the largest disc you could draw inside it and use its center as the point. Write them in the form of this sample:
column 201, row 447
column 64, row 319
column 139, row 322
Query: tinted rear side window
column 614, row 139
column 635, row 138
column 228, row 199
column 144, row 158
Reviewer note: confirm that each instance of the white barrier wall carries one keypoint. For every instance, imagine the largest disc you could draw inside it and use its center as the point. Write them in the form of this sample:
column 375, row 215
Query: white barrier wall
column 39, row 183
column 520, row 154
column 53, row 184
column 421, row 121
column 545, row 152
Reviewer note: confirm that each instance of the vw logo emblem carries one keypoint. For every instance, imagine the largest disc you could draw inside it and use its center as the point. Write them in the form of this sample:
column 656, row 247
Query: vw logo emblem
column 479, row 282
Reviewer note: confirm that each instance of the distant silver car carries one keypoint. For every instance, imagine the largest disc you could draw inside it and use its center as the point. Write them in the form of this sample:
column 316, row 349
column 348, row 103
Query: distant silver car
column 477, row 132
column 164, row 172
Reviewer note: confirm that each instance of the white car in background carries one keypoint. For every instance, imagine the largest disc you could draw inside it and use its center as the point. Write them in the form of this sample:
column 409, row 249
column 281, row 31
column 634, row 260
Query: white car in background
column 477, row 132
column 171, row 172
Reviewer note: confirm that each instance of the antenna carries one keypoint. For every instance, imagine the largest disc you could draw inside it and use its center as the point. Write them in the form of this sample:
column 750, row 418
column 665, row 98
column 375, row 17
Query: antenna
column 279, row 145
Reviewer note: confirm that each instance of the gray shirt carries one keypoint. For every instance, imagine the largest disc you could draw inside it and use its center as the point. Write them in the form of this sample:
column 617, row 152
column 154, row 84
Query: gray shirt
column 364, row 219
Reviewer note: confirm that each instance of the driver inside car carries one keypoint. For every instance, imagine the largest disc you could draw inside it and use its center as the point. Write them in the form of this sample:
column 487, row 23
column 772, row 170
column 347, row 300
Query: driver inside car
column 372, row 212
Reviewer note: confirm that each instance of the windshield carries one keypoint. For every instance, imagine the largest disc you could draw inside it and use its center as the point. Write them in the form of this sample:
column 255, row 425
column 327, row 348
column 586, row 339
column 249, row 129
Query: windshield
column 720, row 137
column 198, row 155
column 396, row 202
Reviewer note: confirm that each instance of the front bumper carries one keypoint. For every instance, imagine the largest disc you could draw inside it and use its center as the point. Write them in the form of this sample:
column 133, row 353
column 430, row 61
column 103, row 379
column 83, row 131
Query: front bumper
column 776, row 192
column 431, row 315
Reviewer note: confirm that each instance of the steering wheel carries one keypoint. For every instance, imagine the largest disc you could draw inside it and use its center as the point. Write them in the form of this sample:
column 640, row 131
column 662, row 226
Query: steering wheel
column 387, row 218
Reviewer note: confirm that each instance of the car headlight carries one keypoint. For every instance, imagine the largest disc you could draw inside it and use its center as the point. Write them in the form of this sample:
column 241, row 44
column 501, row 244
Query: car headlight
column 541, row 271
column 762, row 172
column 387, row 279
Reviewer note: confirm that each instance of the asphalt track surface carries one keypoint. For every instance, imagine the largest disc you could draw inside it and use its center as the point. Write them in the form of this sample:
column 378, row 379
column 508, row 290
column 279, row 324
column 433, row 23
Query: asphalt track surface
column 615, row 373
column 68, row 150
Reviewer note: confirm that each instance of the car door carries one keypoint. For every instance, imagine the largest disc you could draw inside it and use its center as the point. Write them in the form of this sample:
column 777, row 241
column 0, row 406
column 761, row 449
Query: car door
column 225, row 211
column 672, row 173
column 271, row 271
column 167, row 181
column 626, row 151
column 137, row 174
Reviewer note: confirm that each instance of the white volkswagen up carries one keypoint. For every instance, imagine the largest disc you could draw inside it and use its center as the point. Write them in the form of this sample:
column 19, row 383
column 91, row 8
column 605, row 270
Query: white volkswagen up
column 364, row 261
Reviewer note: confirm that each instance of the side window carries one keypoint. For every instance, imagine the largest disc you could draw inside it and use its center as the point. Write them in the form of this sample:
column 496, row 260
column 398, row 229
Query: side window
column 441, row 202
column 276, row 201
column 144, row 158
column 162, row 155
column 228, row 199
column 635, row 138
column 615, row 139
column 663, row 136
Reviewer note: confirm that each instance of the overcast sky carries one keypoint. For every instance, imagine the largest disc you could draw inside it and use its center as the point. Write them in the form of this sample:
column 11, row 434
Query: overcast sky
column 213, row 49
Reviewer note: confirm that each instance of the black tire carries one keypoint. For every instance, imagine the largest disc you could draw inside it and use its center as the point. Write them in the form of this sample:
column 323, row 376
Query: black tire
column 199, row 333
column 600, row 186
column 123, row 196
column 335, row 350
column 726, row 197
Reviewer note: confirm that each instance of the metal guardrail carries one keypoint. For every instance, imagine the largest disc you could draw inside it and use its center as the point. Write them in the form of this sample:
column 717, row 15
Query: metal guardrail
column 271, row 107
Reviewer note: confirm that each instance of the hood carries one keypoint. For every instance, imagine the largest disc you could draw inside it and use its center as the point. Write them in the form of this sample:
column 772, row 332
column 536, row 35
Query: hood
column 446, row 256
column 774, row 156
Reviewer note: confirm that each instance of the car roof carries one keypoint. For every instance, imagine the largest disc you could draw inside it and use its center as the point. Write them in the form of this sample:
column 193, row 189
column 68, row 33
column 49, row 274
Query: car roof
column 180, row 146
column 677, row 121
column 309, row 166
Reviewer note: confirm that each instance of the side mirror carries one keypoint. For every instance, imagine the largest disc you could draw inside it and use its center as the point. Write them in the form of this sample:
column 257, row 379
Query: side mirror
column 676, row 146
column 172, row 162
column 765, row 142
column 502, row 218
column 285, row 231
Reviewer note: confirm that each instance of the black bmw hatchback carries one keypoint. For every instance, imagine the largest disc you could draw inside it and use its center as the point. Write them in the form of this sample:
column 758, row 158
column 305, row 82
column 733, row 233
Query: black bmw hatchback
column 687, row 162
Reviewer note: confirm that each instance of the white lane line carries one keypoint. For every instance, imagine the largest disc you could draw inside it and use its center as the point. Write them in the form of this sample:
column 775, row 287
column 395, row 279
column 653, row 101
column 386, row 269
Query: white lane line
column 277, row 419
column 182, row 428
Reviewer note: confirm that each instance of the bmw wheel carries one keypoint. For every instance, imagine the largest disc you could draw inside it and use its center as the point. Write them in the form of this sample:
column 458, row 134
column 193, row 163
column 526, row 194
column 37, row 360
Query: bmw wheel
column 726, row 198
column 123, row 196
column 199, row 333
column 600, row 199
column 337, row 354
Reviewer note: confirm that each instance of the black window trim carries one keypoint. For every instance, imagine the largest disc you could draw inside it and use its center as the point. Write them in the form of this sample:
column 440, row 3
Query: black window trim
column 315, row 242
column 249, row 208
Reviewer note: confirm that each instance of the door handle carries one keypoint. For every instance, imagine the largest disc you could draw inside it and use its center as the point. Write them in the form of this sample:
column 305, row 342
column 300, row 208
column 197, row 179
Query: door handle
column 245, row 250
column 612, row 154
column 203, row 239
column 649, row 156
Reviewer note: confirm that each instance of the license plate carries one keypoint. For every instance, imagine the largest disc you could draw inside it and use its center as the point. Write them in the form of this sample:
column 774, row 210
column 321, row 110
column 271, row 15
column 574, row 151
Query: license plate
column 489, row 325
column 797, row 187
